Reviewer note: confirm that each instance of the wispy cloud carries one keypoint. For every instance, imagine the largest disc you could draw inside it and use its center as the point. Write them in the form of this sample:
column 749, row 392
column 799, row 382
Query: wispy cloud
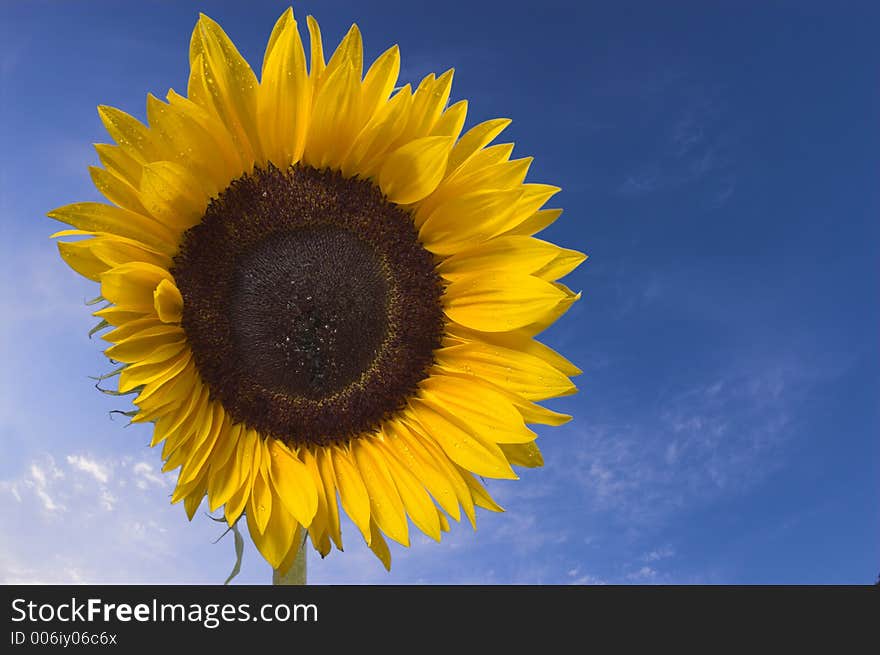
column 577, row 577
column 645, row 574
column 692, row 446
column 38, row 481
column 658, row 554
column 78, row 520
column 97, row 470
column 146, row 475
column 691, row 143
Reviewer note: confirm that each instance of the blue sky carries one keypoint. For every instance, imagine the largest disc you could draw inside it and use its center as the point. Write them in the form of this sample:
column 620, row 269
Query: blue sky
column 719, row 164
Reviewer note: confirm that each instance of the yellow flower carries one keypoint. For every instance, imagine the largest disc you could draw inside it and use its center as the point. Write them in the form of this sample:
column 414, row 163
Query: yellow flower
column 322, row 292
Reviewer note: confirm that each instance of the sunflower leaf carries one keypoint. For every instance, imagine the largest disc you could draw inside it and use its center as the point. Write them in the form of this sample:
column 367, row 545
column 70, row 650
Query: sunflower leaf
column 112, row 373
column 130, row 414
column 239, row 552
column 110, row 392
column 100, row 326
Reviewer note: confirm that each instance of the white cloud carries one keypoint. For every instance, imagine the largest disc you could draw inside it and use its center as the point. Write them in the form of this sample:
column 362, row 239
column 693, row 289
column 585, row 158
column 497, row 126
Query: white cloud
column 39, row 482
column 644, row 574
column 48, row 503
column 578, row 578
column 120, row 533
column 693, row 146
column 696, row 444
column 107, row 500
column 659, row 554
column 97, row 470
column 146, row 475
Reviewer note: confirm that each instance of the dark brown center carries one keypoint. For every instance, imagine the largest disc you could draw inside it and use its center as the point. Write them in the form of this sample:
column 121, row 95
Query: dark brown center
column 310, row 306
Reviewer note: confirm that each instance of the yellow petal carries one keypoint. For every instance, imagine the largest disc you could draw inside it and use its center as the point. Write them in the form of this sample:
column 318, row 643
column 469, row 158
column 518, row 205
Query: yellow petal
column 225, row 470
column 414, row 170
column 533, row 198
column 133, row 328
column 350, row 52
column 116, row 316
column 524, row 374
column 516, row 340
column 260, row 505
column 200, row 95
column 523, row 454
column 208, row 158
column 482, row 159
column 467, row 220
column 522, row 254
column 293, row 483
column 352, row 491
column 139, row 347
column 492, row 169
column 131, row 285
column 475, row 139
column 137, row 375
column 168, row 302
column 500, row 303
column 429, row 101
column 416, row 501
column 365, row 157
column 452, row 120
column 178, row 418
column 386, row 507
column 116, row 251
column 209, row 433
column 78, row 255
column 274, row 541
column 476, row 408
column 435, row 452
column 231, row 83
column 533, row 413
column 463, row 448
column 541, row 324
column 377, row 544
column 296, row 542
column 333, row 125
column 98, row 217
column 379, row 82
column 285, row 97
column 227, row 440
column 120, row 163
column 328, row 479
column 133, row 137
column 116, row 189
column 163, row 353
column 195, row 496
column 172, row 195
column 243, row 473
column 318, row 527
column 316, row 58
column 181, row 440
column 192, row 492
column 493, row 176
column 193, row 126
column 168, row 391
column 280, row 25
column 561, row 265
column 151, row 413
column 481, row 496
column 413, row 455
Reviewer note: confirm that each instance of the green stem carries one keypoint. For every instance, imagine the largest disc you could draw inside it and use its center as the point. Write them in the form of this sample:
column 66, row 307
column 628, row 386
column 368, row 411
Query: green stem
column 296, row 575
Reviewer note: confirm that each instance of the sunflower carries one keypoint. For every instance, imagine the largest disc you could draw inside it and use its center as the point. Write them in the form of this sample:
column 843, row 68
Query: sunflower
column 323, row 294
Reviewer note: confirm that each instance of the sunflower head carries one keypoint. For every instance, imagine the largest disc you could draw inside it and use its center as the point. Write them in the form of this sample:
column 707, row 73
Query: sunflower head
column 322, row 293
